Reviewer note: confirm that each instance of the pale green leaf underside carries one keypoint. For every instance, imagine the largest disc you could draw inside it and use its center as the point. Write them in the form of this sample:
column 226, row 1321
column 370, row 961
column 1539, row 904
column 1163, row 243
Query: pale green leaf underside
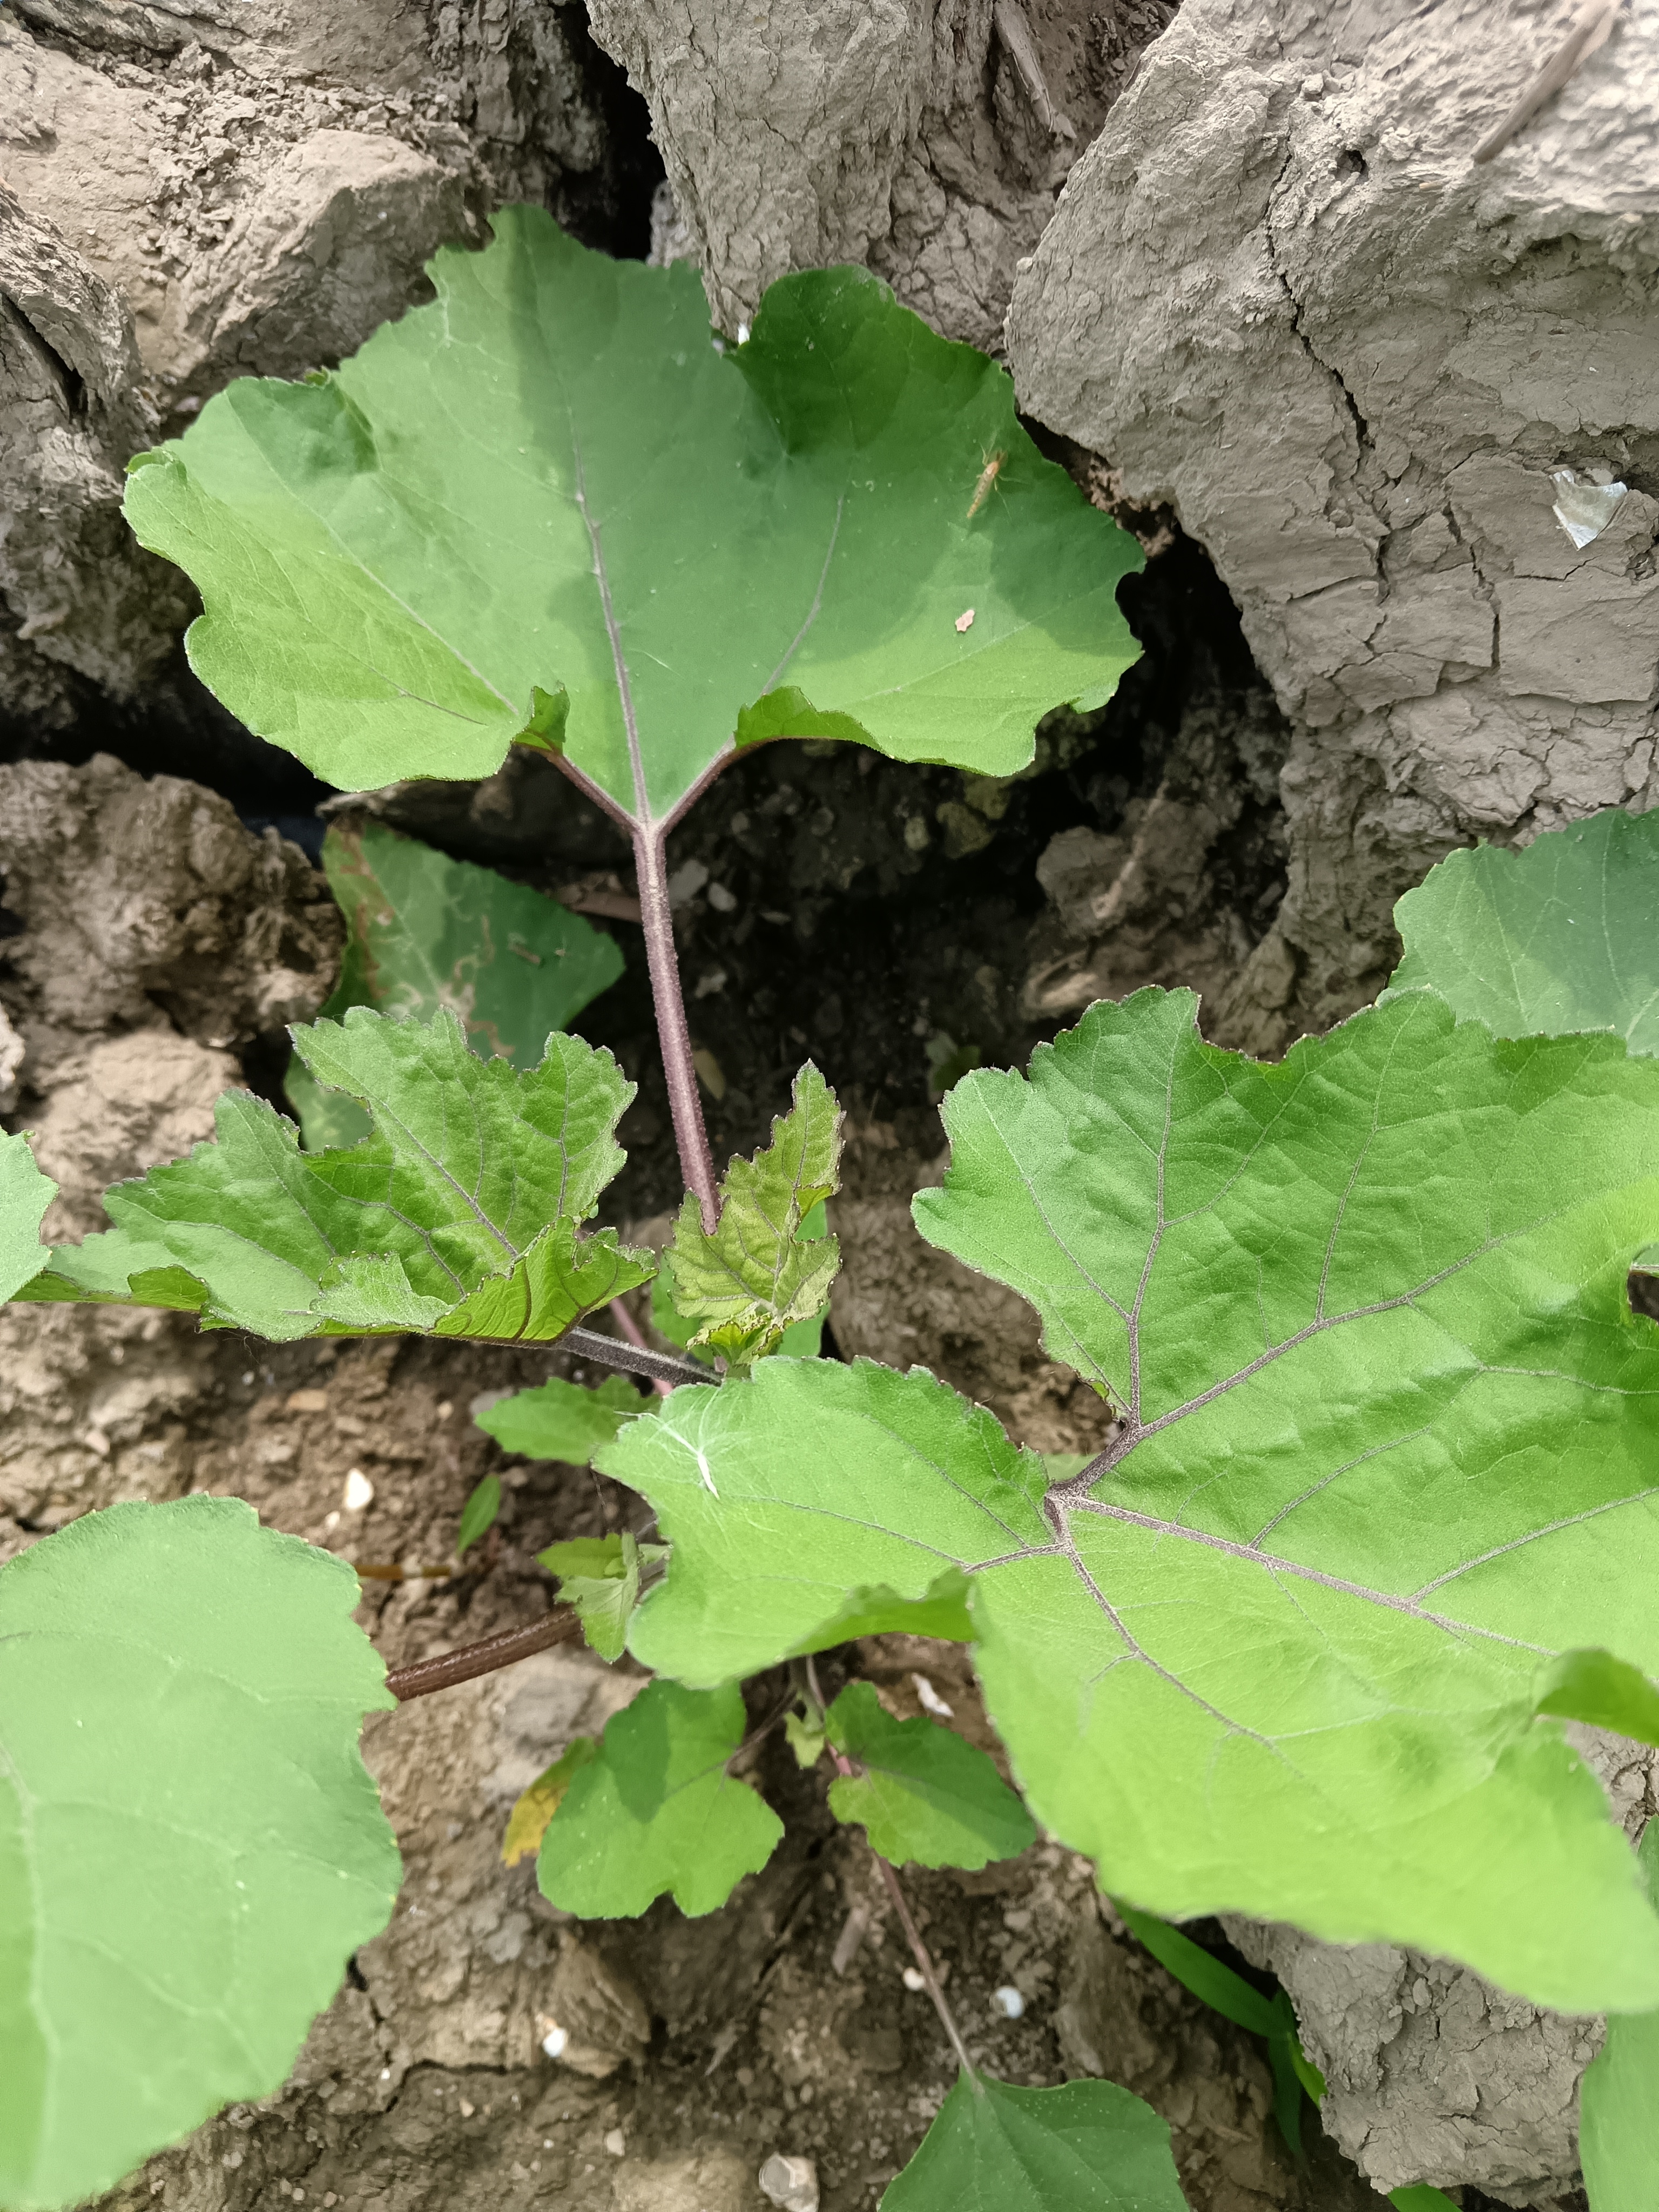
column 401, row 564
column 759, row 1274
column 562, row 1421
column 1085, row 2146
column 1393, row 1448
column 423, row 931
column 460, row 1216
column 190, row 1847
column 656, row 1811
column 24, row 1194
column 922, row 1795
column 600, row 1576
column 1619, row 2097
column 1559, row 937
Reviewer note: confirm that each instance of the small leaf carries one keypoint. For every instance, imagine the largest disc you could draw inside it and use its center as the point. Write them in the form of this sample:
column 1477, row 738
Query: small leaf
column 1619, row 2097
column 1422, row 2198
column 760, row 1273
column 1085, row 2146
column 24, row 1194
column 412, row 561
column 922, row 1794
column 657, row 1811
column 189, row 1848
column 478, row 1514
column 804, row 1733
column 460, row 1216
column 1559, row 937
column 566, row 1421
column 526, row 1824
column 600, row 1576
column 423, row 931
column 1607, row 1693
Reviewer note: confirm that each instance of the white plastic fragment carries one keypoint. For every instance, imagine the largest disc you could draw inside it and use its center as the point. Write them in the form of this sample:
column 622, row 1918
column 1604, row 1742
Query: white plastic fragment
column 359, row 1491
column 792, row 2183
column 1008, row 2002
column 1584, row 510
column 913, row 1978
column 931, row 1700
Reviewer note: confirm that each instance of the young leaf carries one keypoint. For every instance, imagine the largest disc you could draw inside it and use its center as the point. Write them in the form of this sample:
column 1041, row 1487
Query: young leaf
column 459, row 1216
column 1087, row 2145
column 24, row 1194
column 802, row 1339
column 656, row 1810
column 423, row 931
column 1388, row 1452
column 804, row 1733
column 1561, row 936
column 922, row 1794
column 453, row 540
column 478, row 1514
column 1618, row 2107
column 1422, row 2198
column 190, row 1847
column 758, row 1273
column 600, row 1576
column 526, row 1824
column 563, row 1421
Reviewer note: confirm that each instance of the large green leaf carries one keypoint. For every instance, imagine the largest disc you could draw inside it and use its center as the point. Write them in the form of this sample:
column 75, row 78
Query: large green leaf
column 24, row 1194
column 547, row 506
column 423, row 931
column 190, row 1847
column 763, row 1273
column 920, row 1793
column 1389, row 1450
column 1085, row 2146
column 656, row 1810
column 1619, row 2098
column 460, row 1216
column 1561, row 936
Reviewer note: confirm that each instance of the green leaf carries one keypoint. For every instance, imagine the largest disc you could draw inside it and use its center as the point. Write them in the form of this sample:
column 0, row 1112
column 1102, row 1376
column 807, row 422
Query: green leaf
column 921, row 1794
column 460, row 1216
column 1561, row 936
column 804, row 1733
column 1424, row 2198
column 760, row 1273
column 478, row 1514
column 1619, row 2097
column 24, row 1194
column 563, row 1421
column 1390, row 1449
column 1607, row 1693
column 526, row 1824
column 423, row 931
column 551, row 474
column 600, row 1576
column 810, row 1499
column 189, row 1848
column 656, row 1810
column 1085, row 2146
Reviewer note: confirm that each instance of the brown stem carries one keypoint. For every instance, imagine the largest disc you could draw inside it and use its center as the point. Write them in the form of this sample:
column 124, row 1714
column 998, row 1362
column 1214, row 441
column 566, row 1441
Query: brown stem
column 559, row 1627
column 630, row 1328
column 697, row 1163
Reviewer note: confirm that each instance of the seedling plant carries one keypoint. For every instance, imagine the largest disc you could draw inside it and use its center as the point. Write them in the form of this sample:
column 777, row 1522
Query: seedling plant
column 1378, row 1509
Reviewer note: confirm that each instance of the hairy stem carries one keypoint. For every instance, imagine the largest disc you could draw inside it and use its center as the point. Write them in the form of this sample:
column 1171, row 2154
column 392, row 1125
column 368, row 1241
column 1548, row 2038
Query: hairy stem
column 697, row 1164
column 559, row 1627
column 658, row 1367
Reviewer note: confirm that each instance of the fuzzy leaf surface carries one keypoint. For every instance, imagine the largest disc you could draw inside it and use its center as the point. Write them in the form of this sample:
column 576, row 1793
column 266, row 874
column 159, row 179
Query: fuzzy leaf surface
column 1389, row 1453
column 1619, row 2097
column 760, row 1273
column 1085, row 2146
column 546, row 505
column 600, row 1576
column 24, row 1194
column 423, row 931
column 657, row 1811
column 460, row 1216
column 1559, row 937
column 190, row 1847
column 922, row 1795
column 561, row 1420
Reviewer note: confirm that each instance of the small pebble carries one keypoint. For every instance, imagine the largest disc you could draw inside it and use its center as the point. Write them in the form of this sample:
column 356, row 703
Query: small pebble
column 1008, row 2002
column 912, row 1979
column 554, row 2041
column 792, row 2183
column 721, row 899
column 931, row 1700
column 467, row 2110
column 359, row 1491
column 617, row 2143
